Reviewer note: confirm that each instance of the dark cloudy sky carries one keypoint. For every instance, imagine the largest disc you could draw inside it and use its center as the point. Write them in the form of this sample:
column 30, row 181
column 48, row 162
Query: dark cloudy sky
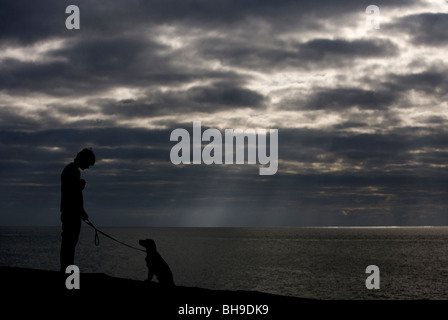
column 361, row 114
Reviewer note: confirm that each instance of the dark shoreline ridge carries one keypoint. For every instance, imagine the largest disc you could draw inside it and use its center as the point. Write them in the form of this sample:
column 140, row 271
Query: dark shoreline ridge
column 43, row 291
column 111, row 294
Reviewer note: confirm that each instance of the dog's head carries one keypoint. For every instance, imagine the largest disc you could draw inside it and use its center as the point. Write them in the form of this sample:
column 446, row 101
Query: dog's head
column 148, row 244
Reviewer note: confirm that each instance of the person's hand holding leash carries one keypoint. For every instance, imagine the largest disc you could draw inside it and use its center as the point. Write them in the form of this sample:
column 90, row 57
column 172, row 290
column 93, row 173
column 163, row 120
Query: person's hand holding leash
column 84, row 216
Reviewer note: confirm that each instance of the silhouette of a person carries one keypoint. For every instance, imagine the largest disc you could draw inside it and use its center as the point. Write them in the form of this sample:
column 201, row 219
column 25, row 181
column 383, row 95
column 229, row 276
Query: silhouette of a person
column 72, row 205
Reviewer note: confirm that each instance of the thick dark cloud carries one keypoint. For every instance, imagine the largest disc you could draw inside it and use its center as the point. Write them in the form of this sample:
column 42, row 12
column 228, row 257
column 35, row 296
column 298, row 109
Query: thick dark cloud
column 93, row 65
column 216, row 97
column 343, row 98
column 425, row 28
column 10, row 119
column 27, row 22
column 321, row 49
column 369, row 152
column 391, row 91
column 431, row 81
column 227, row 94
column 308, row 55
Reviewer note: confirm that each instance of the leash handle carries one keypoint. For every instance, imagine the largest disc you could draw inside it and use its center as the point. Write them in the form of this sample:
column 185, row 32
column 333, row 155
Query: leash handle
column 97, row 238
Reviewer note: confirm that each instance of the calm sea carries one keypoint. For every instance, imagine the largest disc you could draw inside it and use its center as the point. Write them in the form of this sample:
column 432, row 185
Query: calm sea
column 323, row 263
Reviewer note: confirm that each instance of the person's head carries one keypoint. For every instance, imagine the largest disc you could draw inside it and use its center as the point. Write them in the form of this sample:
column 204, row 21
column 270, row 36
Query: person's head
column 85, row 158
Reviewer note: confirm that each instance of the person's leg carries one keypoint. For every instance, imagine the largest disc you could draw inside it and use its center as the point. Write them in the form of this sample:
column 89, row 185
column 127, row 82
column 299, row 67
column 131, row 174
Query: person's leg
column 70, row 235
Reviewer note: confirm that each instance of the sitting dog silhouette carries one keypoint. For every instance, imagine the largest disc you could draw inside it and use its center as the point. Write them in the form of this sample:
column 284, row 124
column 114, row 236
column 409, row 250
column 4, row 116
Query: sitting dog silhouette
column 156, row 265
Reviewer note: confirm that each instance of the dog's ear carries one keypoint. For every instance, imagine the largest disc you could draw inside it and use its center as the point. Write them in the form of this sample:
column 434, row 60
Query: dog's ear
column 151, row 245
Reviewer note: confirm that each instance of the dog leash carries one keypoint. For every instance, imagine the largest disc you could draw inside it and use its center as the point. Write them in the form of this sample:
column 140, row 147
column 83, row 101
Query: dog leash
column 97, row 238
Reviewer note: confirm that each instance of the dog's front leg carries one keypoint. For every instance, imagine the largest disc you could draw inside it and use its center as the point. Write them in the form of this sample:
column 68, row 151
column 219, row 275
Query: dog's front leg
column 150, row 274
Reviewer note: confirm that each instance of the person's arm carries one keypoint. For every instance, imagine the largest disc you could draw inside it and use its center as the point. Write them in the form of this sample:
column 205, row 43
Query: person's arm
column 82, row 183
column 72, row 186
column 84, row 215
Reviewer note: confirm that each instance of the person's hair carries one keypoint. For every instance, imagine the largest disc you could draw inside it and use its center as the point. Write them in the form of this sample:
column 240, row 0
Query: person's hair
column 86, row 154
